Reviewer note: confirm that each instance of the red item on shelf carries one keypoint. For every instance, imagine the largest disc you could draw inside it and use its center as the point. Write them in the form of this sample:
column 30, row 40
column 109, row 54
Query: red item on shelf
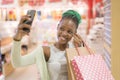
column 55, row 0
column 36, row 2
column 74, row 1
column 7, row 1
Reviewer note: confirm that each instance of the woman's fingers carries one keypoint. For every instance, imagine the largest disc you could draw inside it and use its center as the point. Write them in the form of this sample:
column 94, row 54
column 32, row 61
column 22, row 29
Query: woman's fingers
column 21, row 26
column 77, row 40
column 78, row 36
column 23, row 33
column 24, row 18
column 20, row 32
column 21, row 29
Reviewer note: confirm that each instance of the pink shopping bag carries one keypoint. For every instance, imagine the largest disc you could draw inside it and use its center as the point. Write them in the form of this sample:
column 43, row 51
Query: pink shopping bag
column 90, row 67
column 70, row 53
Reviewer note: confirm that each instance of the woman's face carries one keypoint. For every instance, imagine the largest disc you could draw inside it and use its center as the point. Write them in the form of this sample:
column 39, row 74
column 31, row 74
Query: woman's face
column 66, row 29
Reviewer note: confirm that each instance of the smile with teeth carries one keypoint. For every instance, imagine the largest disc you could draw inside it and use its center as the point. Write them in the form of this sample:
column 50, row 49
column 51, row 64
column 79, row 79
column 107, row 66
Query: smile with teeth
column 62, row 38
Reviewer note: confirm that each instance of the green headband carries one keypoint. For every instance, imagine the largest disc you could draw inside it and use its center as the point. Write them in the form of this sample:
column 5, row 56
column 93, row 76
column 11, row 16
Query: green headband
column 72, row 13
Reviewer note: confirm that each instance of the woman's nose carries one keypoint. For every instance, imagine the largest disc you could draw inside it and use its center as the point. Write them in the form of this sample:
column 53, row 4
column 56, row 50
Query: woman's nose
column 65, row 33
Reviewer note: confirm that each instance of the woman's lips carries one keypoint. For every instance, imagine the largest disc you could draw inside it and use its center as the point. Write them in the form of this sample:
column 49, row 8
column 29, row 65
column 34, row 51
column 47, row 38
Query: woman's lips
column 62, row 38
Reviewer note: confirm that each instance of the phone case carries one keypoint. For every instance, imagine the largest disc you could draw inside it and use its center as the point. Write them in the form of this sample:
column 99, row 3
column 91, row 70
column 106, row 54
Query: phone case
column 31, row 13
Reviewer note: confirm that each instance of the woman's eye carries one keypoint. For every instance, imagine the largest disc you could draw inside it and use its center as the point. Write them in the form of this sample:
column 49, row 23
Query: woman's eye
column 70, row 32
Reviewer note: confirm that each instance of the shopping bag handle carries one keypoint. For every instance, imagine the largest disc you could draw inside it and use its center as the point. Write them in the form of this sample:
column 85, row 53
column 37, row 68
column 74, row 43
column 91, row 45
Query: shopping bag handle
column 78, row 51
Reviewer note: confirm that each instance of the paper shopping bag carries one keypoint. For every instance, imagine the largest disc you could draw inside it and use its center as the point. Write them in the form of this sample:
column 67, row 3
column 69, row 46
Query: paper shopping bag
column 90, row 67
column 70, row 53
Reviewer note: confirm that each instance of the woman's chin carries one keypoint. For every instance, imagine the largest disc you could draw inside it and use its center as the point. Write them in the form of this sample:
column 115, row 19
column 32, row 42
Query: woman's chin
column 62, row 42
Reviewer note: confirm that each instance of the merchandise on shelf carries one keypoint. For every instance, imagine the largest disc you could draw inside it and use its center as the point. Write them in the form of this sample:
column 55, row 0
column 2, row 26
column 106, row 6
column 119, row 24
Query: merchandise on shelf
column 8, row 14
column 95, row 37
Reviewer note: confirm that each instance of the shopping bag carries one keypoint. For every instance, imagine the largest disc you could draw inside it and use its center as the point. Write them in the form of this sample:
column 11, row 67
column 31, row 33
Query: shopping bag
column 90, row 67
column 70, row 53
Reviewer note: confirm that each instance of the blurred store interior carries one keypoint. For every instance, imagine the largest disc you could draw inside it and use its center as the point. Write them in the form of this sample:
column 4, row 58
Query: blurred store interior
column 96, row 29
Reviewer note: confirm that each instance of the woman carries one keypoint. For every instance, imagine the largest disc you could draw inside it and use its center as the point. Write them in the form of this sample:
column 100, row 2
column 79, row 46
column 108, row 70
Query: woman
column 50, row 60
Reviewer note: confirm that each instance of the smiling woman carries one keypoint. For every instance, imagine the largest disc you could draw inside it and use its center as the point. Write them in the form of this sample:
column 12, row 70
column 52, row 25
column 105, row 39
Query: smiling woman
column 51, row 60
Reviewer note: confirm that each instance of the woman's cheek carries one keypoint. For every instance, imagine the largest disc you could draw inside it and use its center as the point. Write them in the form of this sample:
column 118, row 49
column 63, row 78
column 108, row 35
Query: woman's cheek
column 70, row 38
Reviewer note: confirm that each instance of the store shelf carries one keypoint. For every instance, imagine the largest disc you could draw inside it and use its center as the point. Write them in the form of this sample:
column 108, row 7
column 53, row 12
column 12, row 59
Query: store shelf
column 107, row 13
column 108, row 42
column 107, row 48
column 107, row 24
column 107, row 58
column 107, row 7
column 107, row 32
column 107, row 36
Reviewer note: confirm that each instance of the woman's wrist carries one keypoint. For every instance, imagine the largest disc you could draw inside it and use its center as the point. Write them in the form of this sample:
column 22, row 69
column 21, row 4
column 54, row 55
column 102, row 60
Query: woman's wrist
column 17, row 37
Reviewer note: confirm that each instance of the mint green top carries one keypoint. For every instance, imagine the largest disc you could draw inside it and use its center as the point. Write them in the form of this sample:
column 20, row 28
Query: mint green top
column 35, row 57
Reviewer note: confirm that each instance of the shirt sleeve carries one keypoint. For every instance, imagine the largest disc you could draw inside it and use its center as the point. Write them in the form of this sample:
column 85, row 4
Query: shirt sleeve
column 17, row 59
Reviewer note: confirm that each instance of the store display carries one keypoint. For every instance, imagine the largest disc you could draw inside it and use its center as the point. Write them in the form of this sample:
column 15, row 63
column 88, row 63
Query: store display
column 4, row 14
column 11, row 15
column 74, row 1
column 47, row 29
column 7, row 2
column 107, row 57
column 54, row 0
column 107, row 32
column 0, row 14
column 82, row 29
column 8, row 14
column 38, row 13
column 31, row 2
column 95, row 37
column 48, row 12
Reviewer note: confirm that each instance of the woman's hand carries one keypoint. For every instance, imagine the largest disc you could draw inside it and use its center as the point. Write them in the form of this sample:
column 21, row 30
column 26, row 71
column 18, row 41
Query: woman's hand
column 20, row 32
column 77, row 40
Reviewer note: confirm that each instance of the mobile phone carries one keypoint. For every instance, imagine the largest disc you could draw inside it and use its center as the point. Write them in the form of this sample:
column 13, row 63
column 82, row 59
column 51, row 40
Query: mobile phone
column 31, row 13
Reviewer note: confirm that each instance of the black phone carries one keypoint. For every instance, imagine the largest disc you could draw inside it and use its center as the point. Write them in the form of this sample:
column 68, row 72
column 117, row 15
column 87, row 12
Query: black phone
column 31, row 13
